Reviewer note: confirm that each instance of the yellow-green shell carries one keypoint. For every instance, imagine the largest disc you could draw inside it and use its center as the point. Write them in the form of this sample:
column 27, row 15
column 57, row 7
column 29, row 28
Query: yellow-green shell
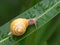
column 18, row 26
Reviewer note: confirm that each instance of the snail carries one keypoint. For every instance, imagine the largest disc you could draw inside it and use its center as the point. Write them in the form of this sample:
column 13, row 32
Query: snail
column 18, row 26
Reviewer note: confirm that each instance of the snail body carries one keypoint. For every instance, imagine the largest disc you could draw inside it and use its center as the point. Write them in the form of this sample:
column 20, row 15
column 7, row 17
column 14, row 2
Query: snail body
column 18, row 26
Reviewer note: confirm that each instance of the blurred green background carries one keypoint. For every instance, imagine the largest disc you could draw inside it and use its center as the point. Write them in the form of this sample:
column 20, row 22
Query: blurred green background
column 11, row 8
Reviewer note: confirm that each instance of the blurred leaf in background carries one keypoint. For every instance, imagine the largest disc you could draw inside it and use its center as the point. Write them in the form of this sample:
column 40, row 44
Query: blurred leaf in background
column 11, row 8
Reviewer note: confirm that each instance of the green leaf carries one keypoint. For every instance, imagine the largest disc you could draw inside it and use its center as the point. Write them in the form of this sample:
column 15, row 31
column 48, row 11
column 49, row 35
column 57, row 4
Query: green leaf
column 55, row 38
column 44, row 12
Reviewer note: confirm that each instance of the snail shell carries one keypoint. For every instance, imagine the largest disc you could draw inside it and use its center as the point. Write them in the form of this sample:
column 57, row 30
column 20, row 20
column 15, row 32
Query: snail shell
column 18, row 26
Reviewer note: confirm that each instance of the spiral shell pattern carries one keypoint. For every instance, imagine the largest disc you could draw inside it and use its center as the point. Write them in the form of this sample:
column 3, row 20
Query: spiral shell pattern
column 18, row 26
